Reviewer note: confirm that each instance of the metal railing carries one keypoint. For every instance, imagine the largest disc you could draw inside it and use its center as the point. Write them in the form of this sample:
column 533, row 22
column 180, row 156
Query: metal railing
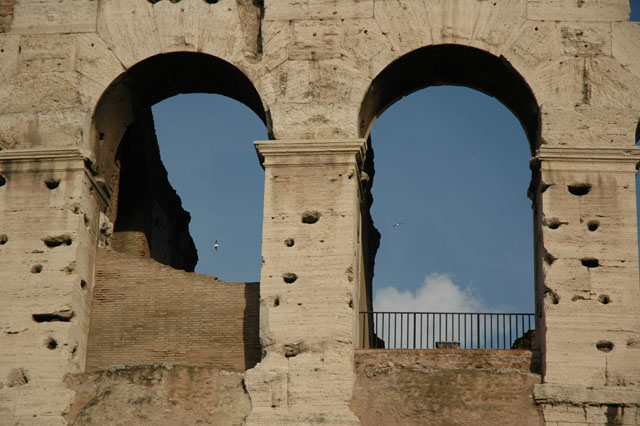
column 429, row 330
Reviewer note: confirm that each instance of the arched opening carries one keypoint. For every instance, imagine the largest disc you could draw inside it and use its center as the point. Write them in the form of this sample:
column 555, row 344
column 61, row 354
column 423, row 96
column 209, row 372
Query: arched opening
column 145, row 243
column 123, row 131
column 451, row 202
column 205, row 145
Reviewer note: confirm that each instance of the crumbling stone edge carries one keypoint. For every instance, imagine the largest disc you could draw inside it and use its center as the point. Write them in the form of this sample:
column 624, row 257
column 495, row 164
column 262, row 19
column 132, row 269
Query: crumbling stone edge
column 580, row 395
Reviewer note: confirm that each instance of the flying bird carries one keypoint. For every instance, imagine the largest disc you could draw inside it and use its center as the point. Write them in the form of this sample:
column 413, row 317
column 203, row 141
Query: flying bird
column 216, row 245
column 395, row 225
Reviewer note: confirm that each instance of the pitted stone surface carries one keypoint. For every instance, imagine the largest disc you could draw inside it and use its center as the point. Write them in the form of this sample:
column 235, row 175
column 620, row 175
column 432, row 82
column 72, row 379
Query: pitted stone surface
column 75, row 75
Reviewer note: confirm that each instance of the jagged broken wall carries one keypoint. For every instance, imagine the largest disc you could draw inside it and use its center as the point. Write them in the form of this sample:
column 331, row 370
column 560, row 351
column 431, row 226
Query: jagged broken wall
column 75, row 74
column 149, row 219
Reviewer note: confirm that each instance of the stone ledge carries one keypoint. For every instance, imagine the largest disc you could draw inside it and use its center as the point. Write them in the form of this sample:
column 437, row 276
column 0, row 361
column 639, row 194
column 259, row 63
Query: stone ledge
column 41, row 160
column 311, row 148
column 449, row 359
column 579, row 395
column 582, row 155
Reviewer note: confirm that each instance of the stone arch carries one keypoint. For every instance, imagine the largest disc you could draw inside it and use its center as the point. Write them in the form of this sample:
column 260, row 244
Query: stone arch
column 454, row 65
column 146, row 226
column 129, row 98
column 457, row 65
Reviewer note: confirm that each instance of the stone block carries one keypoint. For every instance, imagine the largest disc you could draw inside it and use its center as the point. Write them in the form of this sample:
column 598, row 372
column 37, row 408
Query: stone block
column 38, row 17
column 307, row 121
column 286, row 10
column 331, row 9
column 593, row 127
column 96, row 61
column 47, row 53
column 129, row 30
column 537, row 44
column 40, row 92
column 313, row 40
column 624, row 48
column 27, row 130
column 9, row 50
column 583, row 10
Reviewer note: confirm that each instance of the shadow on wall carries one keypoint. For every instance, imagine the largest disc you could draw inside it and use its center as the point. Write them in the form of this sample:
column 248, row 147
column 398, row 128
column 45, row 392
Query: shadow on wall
column 150, row 220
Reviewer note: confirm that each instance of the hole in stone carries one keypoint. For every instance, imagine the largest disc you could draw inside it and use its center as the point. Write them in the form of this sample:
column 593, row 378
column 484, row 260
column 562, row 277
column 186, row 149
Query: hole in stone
column 59, row 316
column 604, row 299
column 69, row 268
column 604, row 346
column 289, row 277
column 579, row 189
column 554, row 223
column 3, row 239
column 289, row 242
column 36, row 269
column 276, row 301
column 310, row 217
column 51, row 343
column 52, row 183
column 590, row 262
column 3, row 180
column 549, row 258
column 351, row 303
column 17, row 377
column 58, row 240
column 292, row 350
column 553, row 296
column 592, row 225
column 83, row 283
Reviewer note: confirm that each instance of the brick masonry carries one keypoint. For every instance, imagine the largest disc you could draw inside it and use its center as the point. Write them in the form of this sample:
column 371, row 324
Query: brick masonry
column 144, row 313
column 446, row 387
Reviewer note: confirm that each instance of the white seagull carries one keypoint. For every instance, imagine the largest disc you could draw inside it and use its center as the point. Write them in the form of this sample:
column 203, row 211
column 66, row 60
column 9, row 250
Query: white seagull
column 216, row 245
column 395, row 225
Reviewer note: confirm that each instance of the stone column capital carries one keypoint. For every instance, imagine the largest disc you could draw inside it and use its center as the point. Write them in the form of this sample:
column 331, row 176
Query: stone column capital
column 311, row 152
column 55, row 160
column 591, row 158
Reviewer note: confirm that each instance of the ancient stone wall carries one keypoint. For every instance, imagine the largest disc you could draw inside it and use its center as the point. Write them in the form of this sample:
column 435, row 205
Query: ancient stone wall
column 158, row 395
column 75, row 74
column 147, row 313
column 446, row 387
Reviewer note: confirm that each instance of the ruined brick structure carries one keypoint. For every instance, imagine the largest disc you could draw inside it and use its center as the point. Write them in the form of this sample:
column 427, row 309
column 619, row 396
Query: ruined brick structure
column 77, row 81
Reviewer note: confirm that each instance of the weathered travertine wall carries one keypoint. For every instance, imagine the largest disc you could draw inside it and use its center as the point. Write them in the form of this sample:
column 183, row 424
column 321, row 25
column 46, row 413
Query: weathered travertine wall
column 75, row 74
column 147, row 313
column 158, row 395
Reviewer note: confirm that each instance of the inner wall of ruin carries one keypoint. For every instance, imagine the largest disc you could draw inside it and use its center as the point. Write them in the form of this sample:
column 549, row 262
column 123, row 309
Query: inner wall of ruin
column 77, row 74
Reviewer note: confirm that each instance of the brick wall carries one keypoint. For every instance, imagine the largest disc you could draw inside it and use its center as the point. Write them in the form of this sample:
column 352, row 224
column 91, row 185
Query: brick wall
column 445, row 387
column 144, row 312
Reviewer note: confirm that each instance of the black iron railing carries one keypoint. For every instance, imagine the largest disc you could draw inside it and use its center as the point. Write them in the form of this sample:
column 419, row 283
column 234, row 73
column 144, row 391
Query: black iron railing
column 428, row 330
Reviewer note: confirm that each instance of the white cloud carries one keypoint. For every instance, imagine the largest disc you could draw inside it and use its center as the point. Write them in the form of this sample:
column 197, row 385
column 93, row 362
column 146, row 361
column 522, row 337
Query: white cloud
column 438, row 293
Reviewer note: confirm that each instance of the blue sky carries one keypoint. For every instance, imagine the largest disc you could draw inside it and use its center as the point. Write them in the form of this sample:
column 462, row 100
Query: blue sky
column 452, row 165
